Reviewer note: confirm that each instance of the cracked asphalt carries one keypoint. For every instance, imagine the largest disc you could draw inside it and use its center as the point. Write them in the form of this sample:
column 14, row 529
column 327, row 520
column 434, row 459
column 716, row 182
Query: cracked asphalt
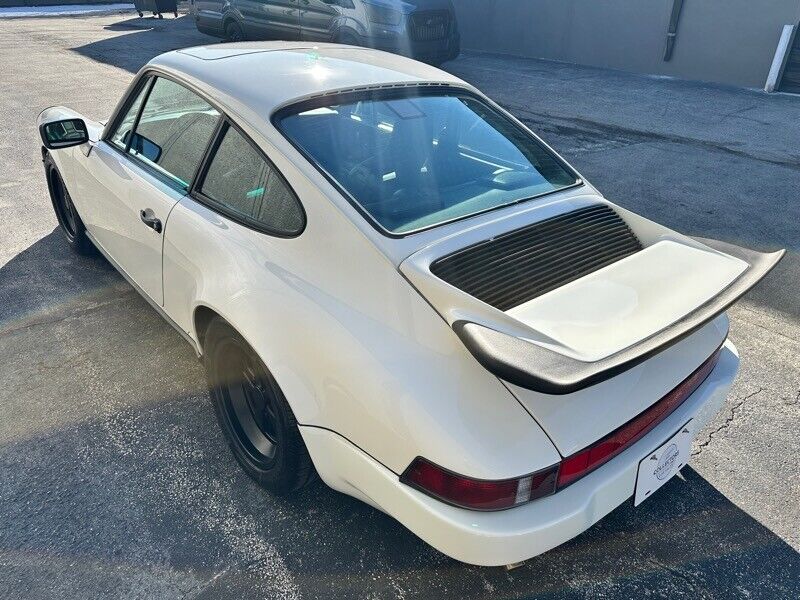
column 116, row 483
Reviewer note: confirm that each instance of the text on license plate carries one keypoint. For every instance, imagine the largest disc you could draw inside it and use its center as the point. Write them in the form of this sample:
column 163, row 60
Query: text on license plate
column 659, row 466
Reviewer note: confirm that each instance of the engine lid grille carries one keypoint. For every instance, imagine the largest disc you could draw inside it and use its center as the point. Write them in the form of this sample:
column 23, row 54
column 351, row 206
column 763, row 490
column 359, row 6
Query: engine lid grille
column 520, row 265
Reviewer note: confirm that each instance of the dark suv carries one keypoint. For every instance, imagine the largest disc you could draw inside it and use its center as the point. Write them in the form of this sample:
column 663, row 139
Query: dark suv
column 424, row 29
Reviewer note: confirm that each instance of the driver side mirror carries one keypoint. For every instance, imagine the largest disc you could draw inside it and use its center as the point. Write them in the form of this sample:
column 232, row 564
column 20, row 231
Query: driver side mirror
column 64, row 133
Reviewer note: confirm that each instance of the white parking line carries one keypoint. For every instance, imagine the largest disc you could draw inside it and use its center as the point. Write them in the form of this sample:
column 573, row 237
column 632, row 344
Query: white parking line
column 16, row 12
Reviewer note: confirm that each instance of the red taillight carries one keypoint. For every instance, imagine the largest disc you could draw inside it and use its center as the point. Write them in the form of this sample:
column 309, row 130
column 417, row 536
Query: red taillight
column 478, row 494
column 583, row 462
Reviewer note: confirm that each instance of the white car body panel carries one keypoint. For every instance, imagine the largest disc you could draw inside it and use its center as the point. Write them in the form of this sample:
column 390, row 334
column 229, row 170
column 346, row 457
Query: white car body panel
column 359, row 334
column 510, row 536
column 362, row 355
column 575, row 420
column 111, row 193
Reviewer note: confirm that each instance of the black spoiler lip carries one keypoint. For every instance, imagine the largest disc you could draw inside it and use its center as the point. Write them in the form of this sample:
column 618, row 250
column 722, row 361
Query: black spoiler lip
column 533, row 367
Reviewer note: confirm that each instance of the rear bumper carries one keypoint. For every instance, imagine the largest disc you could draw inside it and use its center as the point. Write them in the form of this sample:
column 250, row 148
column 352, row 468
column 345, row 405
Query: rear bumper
column 517, row 534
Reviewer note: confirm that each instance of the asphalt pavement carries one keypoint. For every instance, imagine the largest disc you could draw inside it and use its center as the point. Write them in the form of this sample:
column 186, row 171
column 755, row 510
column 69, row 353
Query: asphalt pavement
column 115, row 481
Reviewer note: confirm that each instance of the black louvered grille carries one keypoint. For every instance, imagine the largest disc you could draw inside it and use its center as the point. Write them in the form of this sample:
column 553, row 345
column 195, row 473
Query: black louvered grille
column 520, row 265
column 430, row 25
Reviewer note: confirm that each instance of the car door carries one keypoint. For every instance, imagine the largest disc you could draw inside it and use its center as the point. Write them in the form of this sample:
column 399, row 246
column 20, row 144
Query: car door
column 255, row 18
column 271, row 19
column 208, row 14
column 317, row 19
column 136, row 174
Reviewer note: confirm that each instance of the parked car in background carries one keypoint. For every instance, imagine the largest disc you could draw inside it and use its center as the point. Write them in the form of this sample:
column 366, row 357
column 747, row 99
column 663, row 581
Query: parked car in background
column 423, row 29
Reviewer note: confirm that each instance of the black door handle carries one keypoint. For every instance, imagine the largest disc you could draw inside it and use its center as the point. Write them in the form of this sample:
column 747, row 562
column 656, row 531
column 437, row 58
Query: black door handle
column 148, row 218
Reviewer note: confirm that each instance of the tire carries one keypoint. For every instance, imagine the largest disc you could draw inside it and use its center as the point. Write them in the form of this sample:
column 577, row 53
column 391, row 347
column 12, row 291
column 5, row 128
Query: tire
column 348, row 39
column 252, row 411
column 233, row 32
column 69, row 220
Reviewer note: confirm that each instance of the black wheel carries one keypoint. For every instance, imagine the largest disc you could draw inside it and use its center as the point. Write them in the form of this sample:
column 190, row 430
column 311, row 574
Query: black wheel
column 258, row 423
column 66, row 213
column 347, row 39
column 140, row 14
column 233, row 32
column 176, row 14
column 160, row 16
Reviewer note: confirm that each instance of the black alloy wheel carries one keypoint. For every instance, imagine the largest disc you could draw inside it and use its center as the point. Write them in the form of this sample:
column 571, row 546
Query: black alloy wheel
column 233, row 32
column 347, row 39
column 68, row 218
column 65, row 209
column 249, row 400
column 253, row 413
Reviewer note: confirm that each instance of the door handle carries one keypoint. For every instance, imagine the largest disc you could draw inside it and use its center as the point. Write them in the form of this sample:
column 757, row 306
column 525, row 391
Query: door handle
column 148, row 218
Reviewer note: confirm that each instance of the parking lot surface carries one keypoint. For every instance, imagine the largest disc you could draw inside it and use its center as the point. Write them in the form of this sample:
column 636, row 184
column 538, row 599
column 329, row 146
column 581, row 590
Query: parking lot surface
column 116, row 483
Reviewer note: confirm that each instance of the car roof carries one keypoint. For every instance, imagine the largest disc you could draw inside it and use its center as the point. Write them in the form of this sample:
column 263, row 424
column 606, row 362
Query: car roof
column 264, row 76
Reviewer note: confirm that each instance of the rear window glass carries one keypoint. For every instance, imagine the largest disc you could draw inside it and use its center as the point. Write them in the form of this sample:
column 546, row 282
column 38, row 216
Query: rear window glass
column 415, row 162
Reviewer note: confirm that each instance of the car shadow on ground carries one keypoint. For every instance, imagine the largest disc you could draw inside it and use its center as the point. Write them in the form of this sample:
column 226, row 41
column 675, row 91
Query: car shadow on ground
column 112, row 463
column 48, row 276
column 146, row 39
column 145, row 23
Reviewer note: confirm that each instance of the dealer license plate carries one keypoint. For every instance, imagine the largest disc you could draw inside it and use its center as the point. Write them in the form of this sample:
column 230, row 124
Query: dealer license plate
column 659, row 466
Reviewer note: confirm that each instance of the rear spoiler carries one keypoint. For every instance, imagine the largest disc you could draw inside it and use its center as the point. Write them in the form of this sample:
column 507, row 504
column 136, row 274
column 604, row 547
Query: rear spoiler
column 533, row 367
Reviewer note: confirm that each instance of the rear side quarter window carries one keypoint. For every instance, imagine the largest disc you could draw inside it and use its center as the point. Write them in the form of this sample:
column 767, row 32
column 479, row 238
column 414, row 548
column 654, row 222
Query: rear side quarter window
column 241, row 183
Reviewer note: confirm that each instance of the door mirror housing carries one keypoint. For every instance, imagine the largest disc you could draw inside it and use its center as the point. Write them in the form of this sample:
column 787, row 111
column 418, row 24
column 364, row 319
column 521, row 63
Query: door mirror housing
column 64, row 133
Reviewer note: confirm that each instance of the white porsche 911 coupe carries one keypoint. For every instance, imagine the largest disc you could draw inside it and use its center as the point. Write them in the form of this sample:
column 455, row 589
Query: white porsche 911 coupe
column 396, row 285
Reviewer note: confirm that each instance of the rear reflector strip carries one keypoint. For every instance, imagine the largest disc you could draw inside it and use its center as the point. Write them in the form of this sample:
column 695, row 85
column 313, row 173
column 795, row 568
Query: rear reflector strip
column 587, row 460
column 477, row 494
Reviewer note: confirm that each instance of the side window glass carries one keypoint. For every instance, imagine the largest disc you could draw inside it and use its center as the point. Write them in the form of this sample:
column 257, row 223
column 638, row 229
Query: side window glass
column 242, row 183
column 174, row 130
column 123, row 132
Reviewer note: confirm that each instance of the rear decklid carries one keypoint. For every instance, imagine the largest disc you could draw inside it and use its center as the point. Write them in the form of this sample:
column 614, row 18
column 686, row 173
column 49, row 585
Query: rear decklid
column 577, row 293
